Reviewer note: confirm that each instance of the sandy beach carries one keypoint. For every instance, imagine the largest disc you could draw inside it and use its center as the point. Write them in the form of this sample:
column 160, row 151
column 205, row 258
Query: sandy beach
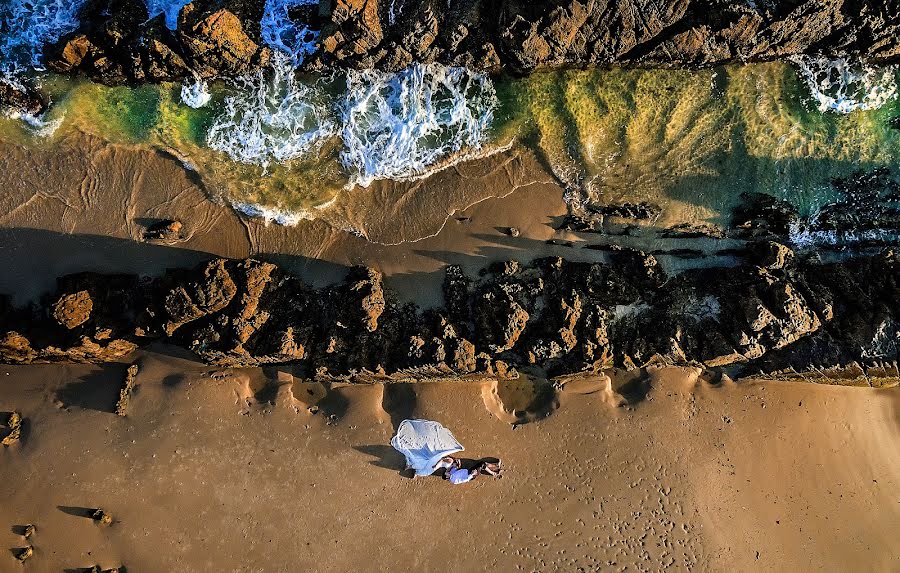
column 644, row 253
column 229, row 471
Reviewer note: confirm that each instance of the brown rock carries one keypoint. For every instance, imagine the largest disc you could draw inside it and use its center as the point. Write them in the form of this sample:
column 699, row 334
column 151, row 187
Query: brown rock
column 217, row 41
column 74, row 309
column 13, row 430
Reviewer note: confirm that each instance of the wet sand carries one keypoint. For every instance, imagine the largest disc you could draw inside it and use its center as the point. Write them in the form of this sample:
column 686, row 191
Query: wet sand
column 228, row 470
column 82, row 205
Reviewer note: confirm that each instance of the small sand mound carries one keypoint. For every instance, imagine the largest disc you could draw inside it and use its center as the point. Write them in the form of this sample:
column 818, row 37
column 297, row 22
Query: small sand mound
column 583, row 384
column 307, row 395
column 398, row 402
column 520, row 400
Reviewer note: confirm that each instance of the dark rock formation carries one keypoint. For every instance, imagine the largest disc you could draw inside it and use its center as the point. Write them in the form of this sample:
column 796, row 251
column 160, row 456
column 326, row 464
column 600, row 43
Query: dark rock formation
column 21, row 98
column 117, row 43
column 778, row 311
column 524, row 35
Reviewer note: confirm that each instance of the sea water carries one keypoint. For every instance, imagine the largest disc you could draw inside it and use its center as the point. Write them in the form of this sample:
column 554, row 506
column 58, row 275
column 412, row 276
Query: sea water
column 277, row 143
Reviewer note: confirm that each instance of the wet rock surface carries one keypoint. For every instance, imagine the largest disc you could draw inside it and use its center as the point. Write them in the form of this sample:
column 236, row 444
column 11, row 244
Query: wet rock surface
column 780, row 311
column 21, row 98
column 118, row 43
column 521, row 35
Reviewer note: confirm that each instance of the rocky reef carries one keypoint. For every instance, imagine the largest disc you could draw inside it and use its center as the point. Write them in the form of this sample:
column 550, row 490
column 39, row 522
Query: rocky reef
column 117, row 42
column 777, row 312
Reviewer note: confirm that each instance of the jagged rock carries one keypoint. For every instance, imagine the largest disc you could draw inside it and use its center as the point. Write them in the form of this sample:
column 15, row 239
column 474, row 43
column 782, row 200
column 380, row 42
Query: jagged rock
column 772, row 255
column 21, row 98
column 101, row 46
column 779, row 310
column 210, row 294
column 74, row 309
column 366, row 284
column 760, row 215
column 529, row 35
column 23, row 554
column 13, row 431
column 116, row 43
column 167, row 230
column 221, row 37
column 125, row 392
column 102, row 517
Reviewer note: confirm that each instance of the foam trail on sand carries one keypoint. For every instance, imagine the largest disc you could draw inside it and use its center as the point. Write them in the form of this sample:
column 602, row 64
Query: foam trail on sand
column 842, row 87
column 270, row 214
column 280, row 32
column 270, row 116
column 397, row 126
column 169, row 8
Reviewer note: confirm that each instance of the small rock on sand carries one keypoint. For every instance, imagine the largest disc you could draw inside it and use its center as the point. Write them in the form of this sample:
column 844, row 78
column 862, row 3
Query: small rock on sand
column 102, row 517
column 23, row 554
column 13, row 429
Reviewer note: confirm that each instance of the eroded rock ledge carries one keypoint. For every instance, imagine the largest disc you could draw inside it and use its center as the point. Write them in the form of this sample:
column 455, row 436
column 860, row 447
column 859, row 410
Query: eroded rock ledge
column 118, row 42
column 776, row 313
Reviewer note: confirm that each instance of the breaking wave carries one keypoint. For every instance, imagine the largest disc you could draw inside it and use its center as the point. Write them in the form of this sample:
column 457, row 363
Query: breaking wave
column 195, row 95
column 271, row 116
column 399, row 125
column 282, row 33
column 27, row 25
column 269, row 214
column 843, row 87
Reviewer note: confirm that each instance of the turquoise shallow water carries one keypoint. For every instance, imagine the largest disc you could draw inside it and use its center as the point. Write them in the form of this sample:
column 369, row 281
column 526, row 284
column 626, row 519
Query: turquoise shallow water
column 281, row 144
column 688, row 141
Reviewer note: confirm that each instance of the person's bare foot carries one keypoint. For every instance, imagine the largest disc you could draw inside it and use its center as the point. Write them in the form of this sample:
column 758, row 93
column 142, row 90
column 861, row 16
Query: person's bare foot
column 492, row 469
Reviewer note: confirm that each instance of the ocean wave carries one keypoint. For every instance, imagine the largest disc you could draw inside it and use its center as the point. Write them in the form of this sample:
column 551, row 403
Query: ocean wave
column 805, row 235
column 195, row 95
column 271, row 116
column 270, row 214
column 282, row 33
column 39, row 125
column 26, row 26
column 843, row 87
column 397, row 126
column 169, row 8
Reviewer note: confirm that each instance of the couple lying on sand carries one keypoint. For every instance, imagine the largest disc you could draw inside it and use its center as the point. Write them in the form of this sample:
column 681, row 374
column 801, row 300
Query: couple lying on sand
column 456, row 474
column 427, row 447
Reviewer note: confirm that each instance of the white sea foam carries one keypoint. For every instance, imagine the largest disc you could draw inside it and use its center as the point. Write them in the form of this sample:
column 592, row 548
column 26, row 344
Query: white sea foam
column 40, row 125
column 805, row 235
column 170, row 8
column 270, row 214
column 27, row 25
column 270, row 116
column 843, row 87
column 195, row 95
column 281, row 33
column 397, row 126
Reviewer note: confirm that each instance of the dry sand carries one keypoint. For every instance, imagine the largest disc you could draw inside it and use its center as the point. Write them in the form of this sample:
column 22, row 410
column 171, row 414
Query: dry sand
column 229, row 471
